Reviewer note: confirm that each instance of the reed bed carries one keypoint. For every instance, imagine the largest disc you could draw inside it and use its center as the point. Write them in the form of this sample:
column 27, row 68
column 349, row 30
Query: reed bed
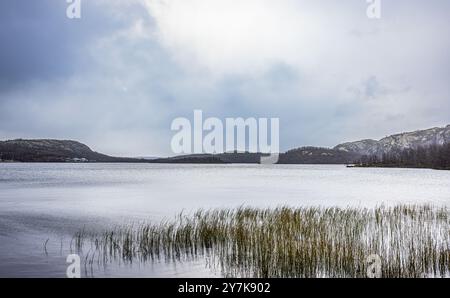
column 411, row 241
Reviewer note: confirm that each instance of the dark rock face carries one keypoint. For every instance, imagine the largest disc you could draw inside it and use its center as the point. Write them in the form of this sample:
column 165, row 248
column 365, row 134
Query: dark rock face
column 408, row 140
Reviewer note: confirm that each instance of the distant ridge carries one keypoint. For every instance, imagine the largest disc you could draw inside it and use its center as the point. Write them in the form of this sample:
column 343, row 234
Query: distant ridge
column 48, row 150
column 398, row 142
column 303, row 155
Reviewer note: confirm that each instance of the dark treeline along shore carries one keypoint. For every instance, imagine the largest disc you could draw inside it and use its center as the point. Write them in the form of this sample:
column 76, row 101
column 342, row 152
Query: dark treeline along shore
column 434, row 157
column 410, row 241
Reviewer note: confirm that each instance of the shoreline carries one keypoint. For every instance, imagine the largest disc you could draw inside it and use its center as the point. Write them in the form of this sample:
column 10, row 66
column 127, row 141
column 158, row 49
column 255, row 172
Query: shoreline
column 396, row 167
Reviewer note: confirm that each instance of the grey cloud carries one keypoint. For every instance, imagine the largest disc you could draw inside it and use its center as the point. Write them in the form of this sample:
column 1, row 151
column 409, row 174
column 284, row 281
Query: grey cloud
column 109, row 80
column 40, row 43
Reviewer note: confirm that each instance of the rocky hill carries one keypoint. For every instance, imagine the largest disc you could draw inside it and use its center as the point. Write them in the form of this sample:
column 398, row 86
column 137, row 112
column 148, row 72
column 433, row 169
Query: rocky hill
column 398, row 142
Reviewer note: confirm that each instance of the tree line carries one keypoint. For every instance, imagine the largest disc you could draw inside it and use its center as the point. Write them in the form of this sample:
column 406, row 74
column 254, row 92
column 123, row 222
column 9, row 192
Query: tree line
column 433, row 156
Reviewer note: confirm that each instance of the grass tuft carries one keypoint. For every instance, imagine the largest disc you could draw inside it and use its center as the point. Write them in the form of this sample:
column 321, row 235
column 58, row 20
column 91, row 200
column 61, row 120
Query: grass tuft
column 411, row 240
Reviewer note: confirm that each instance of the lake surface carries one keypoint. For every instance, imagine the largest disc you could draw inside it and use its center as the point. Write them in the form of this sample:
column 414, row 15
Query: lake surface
column 48, row 203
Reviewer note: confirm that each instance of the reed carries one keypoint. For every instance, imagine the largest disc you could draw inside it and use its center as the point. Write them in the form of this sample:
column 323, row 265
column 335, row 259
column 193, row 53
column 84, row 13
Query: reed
column 411, row 241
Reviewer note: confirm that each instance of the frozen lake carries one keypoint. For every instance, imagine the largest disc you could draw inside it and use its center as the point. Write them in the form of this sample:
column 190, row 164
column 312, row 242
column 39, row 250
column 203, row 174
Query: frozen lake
column 40, row 202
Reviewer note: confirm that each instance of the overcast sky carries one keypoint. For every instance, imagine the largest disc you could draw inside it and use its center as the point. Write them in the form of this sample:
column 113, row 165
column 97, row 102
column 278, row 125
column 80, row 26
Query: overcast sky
column 116, row 78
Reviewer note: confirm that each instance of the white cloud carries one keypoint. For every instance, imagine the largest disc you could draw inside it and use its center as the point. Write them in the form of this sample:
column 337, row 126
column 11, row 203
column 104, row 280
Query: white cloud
column 238, row 37
column 331, row 45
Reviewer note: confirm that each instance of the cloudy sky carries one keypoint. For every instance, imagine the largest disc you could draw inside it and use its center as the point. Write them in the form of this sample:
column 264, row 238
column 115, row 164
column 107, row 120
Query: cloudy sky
column 116, row 78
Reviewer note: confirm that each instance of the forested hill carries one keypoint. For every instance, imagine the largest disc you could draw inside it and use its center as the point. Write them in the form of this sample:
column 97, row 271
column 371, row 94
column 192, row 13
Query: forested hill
column 47, row 150
column 53, row 151
column 422, row 148
column 302, row 155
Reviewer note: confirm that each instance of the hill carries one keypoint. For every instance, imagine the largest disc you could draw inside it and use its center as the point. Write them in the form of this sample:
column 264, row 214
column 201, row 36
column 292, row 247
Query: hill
column 47, row 150
column 398, row 142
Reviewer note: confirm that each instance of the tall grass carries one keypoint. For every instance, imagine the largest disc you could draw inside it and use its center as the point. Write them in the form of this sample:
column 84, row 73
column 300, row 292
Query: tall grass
column 412, row 241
